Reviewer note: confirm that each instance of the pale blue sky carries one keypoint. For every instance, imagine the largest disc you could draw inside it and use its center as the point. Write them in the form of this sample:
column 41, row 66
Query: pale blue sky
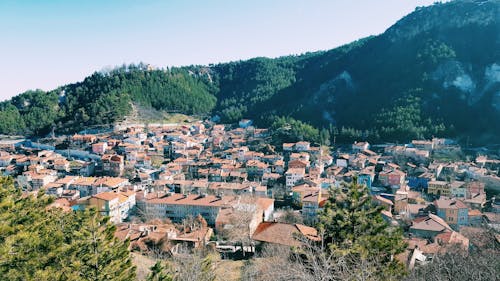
column 48, row 43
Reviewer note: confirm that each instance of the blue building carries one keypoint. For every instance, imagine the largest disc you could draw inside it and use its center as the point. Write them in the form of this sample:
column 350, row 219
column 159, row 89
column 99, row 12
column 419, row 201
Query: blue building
column 420, row 183
column 366, row 179
column 452, row 211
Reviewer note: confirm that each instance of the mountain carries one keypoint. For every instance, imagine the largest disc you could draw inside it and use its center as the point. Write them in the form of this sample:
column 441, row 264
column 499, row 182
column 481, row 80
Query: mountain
column 434, row 72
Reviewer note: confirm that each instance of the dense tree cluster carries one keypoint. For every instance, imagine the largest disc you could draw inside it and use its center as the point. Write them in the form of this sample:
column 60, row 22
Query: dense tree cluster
column 290, row 130
column 106, row 97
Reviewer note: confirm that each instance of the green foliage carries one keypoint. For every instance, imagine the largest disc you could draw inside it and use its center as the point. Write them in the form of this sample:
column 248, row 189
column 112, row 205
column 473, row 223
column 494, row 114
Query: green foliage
column 12, row 122
column 434, row 52
column 104, row 98
column 159, row 272
column 405, row 120
column 352, row 225
column 37, row 243
column 246, row 86
column 287, row 129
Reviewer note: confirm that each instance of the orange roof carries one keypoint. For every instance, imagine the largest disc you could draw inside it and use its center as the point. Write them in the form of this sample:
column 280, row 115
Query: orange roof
column 110, row 181
column 282, row 233
column 445, row 203
column 107, row 196
column 84, row 181
column 475, row 212
column 195, row 200
column 265, row 203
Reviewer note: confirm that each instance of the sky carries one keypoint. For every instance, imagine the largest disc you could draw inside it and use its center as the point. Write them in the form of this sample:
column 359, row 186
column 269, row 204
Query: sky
column 48, row 43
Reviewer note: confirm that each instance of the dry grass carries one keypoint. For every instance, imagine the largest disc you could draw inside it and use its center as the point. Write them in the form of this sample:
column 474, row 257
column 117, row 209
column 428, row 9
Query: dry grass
column 143, row 264
column 229, row 270
column 141, row 114
column 225, row 270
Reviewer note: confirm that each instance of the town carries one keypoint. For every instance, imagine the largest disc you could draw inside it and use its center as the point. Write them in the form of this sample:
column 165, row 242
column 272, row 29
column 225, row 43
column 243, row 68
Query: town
column 203, row 183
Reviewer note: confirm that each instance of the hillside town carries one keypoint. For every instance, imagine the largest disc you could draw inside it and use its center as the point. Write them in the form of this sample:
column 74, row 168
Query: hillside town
column 204, row 183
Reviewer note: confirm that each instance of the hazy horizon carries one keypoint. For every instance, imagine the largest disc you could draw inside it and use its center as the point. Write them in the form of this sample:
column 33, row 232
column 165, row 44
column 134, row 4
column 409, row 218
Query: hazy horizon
column 58, row 42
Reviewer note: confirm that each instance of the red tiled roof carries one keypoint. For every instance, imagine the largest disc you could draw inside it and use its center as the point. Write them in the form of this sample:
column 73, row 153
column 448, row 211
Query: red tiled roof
column 284, row 234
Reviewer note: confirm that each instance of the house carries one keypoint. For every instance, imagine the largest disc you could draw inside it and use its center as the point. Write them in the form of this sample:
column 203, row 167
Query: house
column 109, row 183
column 112, row 165
column 384, row 202
column 394, row 178
column 342, row 161
column 302, row 146
column 458, row 189
column 284, row 234
column 475, row 217
column 256, row 169
column 61, row 165
column 476, row 201
column 6, row 160
column 53, row 188
column 429, row 226
column 85, row 185
column 288, row 147
column 100, row 147
column 193, row 239
column 301, row 190
column 420, row 182
column 294, row 175
column 366, row 177
column 116, row 205
column 298, row 164
column 452, row 238
column 71, row 195
column 423, row 144
column 245, row 123
column 179, row 206
column 39, row 181
column 81, row 139
column 267, row 207
column 453, row 211
column 439, row 188
column 360, row 146
column 311, row 205
column 229, row 218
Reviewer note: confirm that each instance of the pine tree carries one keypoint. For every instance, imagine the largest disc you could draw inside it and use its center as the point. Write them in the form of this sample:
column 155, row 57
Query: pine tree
column 98, row 254
column 353, row 226
column 37, row 243
column 159, row 273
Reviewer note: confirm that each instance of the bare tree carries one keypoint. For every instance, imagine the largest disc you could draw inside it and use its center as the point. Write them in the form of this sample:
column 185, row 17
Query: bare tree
column 190, row 223
column 190, row 265
column 289, row 216
column 481, row 263
column 239, row 224
column 310, row 262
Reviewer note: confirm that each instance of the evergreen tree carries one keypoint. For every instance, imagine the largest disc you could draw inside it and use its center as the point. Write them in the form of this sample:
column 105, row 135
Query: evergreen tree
column 40, row 243
column 353, row 226
column 159, row 273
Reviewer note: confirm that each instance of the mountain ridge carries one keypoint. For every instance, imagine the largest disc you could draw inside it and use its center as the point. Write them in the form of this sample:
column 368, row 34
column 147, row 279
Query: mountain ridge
column 431, row 64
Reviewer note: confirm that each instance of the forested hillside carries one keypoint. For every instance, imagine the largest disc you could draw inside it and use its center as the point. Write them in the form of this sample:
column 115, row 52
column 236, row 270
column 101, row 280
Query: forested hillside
column 436, row 72
column 106, row 97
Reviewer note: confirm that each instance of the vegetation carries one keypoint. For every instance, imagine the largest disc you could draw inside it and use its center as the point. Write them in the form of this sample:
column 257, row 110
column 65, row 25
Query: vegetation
column 187, row 265
column 455, row 264
column 352, row 226
column 37, row 243
column 356, row 244
column 291, row 130
column 106, row 97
